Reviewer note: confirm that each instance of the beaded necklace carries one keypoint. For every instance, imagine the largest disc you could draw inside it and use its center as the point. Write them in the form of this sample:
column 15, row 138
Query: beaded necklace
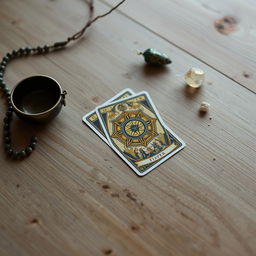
column 29, row 51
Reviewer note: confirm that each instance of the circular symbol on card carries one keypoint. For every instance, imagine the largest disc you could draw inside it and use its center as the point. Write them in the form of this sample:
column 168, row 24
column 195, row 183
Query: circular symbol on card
column 134, row 128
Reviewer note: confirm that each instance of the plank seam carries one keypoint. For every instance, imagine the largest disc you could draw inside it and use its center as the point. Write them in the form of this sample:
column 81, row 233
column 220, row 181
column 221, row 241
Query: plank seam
column 177, row 46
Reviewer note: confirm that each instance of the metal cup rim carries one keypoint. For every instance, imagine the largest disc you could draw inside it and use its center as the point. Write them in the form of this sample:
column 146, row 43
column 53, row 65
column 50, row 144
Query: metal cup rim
column 40, row 113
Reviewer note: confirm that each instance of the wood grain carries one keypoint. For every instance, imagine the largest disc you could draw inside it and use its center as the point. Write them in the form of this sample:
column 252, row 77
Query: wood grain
column 219, row 33
column 75, row 196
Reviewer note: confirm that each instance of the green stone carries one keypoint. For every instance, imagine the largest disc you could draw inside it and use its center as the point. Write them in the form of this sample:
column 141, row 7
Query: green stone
column 154, row 57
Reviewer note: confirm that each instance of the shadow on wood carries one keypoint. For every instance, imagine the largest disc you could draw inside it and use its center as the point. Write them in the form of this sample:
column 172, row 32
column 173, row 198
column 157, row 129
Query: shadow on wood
column 191, row 92
column 21, row 132
column 151, row 70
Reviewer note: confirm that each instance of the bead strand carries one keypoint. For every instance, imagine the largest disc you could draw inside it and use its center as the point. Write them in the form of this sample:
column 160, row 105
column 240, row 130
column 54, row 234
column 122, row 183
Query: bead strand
column 21, row 52
column 33, row 51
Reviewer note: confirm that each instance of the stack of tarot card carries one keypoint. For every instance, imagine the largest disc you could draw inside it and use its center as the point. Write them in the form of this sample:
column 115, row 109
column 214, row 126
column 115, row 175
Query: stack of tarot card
column 131, row 125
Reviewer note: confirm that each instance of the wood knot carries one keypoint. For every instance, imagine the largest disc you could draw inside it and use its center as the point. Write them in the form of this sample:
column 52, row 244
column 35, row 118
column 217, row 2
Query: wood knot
column 107, row 251
column 131, row 196
column 135, row 228
column 246, row 75
column 96, row 99
column 34, row 221
column 114, row 194
column 105, row 186
column 226, row 25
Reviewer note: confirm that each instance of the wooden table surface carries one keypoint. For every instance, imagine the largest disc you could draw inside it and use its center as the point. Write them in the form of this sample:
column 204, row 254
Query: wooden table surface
column 74, row 195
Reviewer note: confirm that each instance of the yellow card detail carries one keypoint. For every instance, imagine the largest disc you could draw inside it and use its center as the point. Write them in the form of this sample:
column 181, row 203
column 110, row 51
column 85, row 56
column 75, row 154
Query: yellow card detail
column 108, row 108
column 93, row 117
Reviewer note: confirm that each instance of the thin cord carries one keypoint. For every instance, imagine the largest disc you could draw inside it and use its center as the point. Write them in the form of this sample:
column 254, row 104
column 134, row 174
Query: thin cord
column 90, row 21
column 21, row 52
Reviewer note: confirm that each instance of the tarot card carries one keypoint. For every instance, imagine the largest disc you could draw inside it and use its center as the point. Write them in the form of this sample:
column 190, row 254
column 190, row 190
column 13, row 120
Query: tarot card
column 137, row 133
column 92, row 120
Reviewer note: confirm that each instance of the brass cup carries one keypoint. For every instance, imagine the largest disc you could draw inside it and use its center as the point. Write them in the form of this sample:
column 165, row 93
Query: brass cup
column 38, row 98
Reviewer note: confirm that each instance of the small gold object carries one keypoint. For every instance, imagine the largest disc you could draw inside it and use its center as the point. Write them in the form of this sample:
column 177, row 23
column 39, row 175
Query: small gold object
column 194, row 77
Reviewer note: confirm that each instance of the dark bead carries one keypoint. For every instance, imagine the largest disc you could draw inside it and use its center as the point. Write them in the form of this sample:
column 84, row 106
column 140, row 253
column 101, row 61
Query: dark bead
column 6, row 126
column 15, row 154
column 6, row 120
column 5, row 58
column 34, row 139
column 10, row 108
column 9, row 113
column 14, row 53
column 28, row 50
column 9, row 119
column 9, row 103
column 22, row 154
column 25, row 52
column 1, row 74
column 7, row 146
column 9, row 55
column 2, row 68
column 20, row 52
column 60, row 44
column 2, row 85
column 46, row 48
column 33, row 145
column 9, row 151
column 33, row 50
column 29, row 150
column 7, row 140
column 6, row 133
column 39, row 49
column 6, row 91
column 4, row 63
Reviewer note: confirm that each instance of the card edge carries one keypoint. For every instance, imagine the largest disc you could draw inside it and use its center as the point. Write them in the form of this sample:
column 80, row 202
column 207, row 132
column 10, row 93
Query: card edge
column 94, row 110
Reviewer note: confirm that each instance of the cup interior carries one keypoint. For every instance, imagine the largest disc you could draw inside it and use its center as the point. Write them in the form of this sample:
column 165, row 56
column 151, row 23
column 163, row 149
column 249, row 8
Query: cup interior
column 36, row 95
